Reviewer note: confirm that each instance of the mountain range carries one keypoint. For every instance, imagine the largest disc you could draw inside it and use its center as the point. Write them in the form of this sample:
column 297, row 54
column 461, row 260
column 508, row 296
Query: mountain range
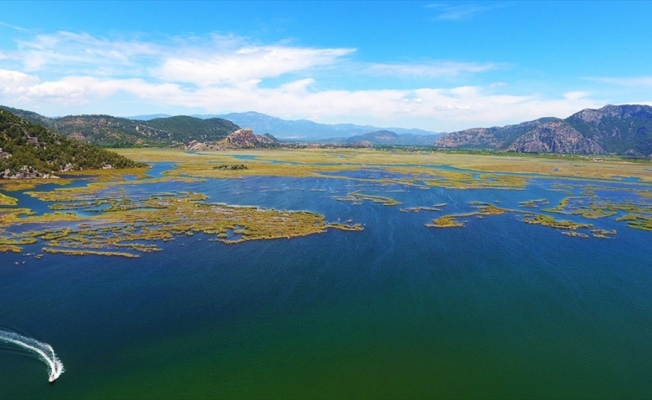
column 305, row 130
column 386, row 138
column 116, row 132
column 622, row 130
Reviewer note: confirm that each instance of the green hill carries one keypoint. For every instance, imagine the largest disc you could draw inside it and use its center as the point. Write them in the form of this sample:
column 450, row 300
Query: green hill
column 29, row 150
column 115, row 132
column 183, row 129
column 108, row 131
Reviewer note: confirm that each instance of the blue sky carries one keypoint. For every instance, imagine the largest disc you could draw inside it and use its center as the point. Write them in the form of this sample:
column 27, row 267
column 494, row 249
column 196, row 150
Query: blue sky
column 434, row 65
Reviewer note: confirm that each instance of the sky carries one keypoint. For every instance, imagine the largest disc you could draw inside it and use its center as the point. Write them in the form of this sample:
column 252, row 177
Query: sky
column 434, row 65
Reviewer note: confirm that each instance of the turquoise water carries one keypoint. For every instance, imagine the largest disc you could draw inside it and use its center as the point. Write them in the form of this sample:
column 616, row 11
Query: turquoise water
column 497, row 309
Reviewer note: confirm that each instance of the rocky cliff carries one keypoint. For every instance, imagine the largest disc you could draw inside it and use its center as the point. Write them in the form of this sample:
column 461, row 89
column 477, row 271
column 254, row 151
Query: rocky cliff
column 240, row 139
column 247, row 139
column 622, row 130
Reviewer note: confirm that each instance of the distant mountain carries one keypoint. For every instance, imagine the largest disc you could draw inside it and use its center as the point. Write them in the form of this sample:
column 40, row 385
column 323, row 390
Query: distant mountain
column 148, row 117
column 385, row 137
column 29, row 150
column 622, row 130
column 307, row 130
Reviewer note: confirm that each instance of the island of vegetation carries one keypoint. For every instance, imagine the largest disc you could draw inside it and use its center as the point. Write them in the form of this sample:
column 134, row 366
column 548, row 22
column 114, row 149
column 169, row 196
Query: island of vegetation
column 123, row 220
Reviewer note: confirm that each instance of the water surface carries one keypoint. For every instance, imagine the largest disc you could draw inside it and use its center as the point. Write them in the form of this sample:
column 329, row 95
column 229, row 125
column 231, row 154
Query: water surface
column 496, row 309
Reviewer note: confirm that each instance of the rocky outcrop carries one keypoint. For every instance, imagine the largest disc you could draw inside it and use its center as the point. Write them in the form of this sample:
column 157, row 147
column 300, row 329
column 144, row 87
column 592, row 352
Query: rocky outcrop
column 555, row 137
column 488, row 138
column 475, row 137
column 247, row 139
column 26, row 172
column 240, row 139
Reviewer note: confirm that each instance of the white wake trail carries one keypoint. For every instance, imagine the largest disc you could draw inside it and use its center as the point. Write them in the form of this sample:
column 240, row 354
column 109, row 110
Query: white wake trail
column 44, row 351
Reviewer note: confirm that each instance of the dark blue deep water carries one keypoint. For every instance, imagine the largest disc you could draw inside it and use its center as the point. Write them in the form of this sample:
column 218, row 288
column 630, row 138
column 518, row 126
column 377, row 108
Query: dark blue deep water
column 497, row 309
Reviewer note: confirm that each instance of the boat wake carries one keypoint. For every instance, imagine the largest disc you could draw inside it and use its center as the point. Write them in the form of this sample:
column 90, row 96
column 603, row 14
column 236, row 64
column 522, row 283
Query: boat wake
column 44, row 351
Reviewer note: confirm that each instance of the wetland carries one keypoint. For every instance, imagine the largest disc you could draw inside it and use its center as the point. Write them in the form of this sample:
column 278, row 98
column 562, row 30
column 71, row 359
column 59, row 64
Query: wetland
column 328, row 273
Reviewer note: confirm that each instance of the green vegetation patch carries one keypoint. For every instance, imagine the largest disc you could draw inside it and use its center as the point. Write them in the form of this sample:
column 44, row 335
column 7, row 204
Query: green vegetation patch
column 123, row 223
column 357, row 198
column 7, row 201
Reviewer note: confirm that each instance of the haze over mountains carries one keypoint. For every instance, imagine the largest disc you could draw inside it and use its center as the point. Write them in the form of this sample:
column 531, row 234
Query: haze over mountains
column 305, row 130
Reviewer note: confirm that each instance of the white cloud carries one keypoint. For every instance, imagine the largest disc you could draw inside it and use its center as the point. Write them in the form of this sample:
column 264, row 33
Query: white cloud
column 79, row 51
column 460, row 11
column 69, row 72
column 13, row 82
column 14, row 27
column 430, row 70
column 429, row 108
column 638, row 81
column 300, row 86
column 246, row 64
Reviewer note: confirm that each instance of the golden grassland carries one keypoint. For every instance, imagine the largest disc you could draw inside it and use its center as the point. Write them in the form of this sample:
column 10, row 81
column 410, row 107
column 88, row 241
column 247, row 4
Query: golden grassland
column 314, row 162
column 7, row 201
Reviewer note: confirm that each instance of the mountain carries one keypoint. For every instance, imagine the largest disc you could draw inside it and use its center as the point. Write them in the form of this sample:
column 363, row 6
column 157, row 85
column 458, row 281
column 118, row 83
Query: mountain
column 30, row 116
column 115, row 132
column 625, row 129
column 305, row 129
column 386, row 137
column 108, row 131
column 29, row 150
column 184, row 129
column 148, row 117
column 622, row 130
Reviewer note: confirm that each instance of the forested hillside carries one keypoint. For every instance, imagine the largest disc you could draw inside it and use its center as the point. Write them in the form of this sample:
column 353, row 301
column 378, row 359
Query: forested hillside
column 29, row 150
column 116, row 132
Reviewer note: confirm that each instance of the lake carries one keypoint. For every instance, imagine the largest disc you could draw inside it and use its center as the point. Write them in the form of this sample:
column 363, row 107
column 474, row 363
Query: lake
column 495, row 309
